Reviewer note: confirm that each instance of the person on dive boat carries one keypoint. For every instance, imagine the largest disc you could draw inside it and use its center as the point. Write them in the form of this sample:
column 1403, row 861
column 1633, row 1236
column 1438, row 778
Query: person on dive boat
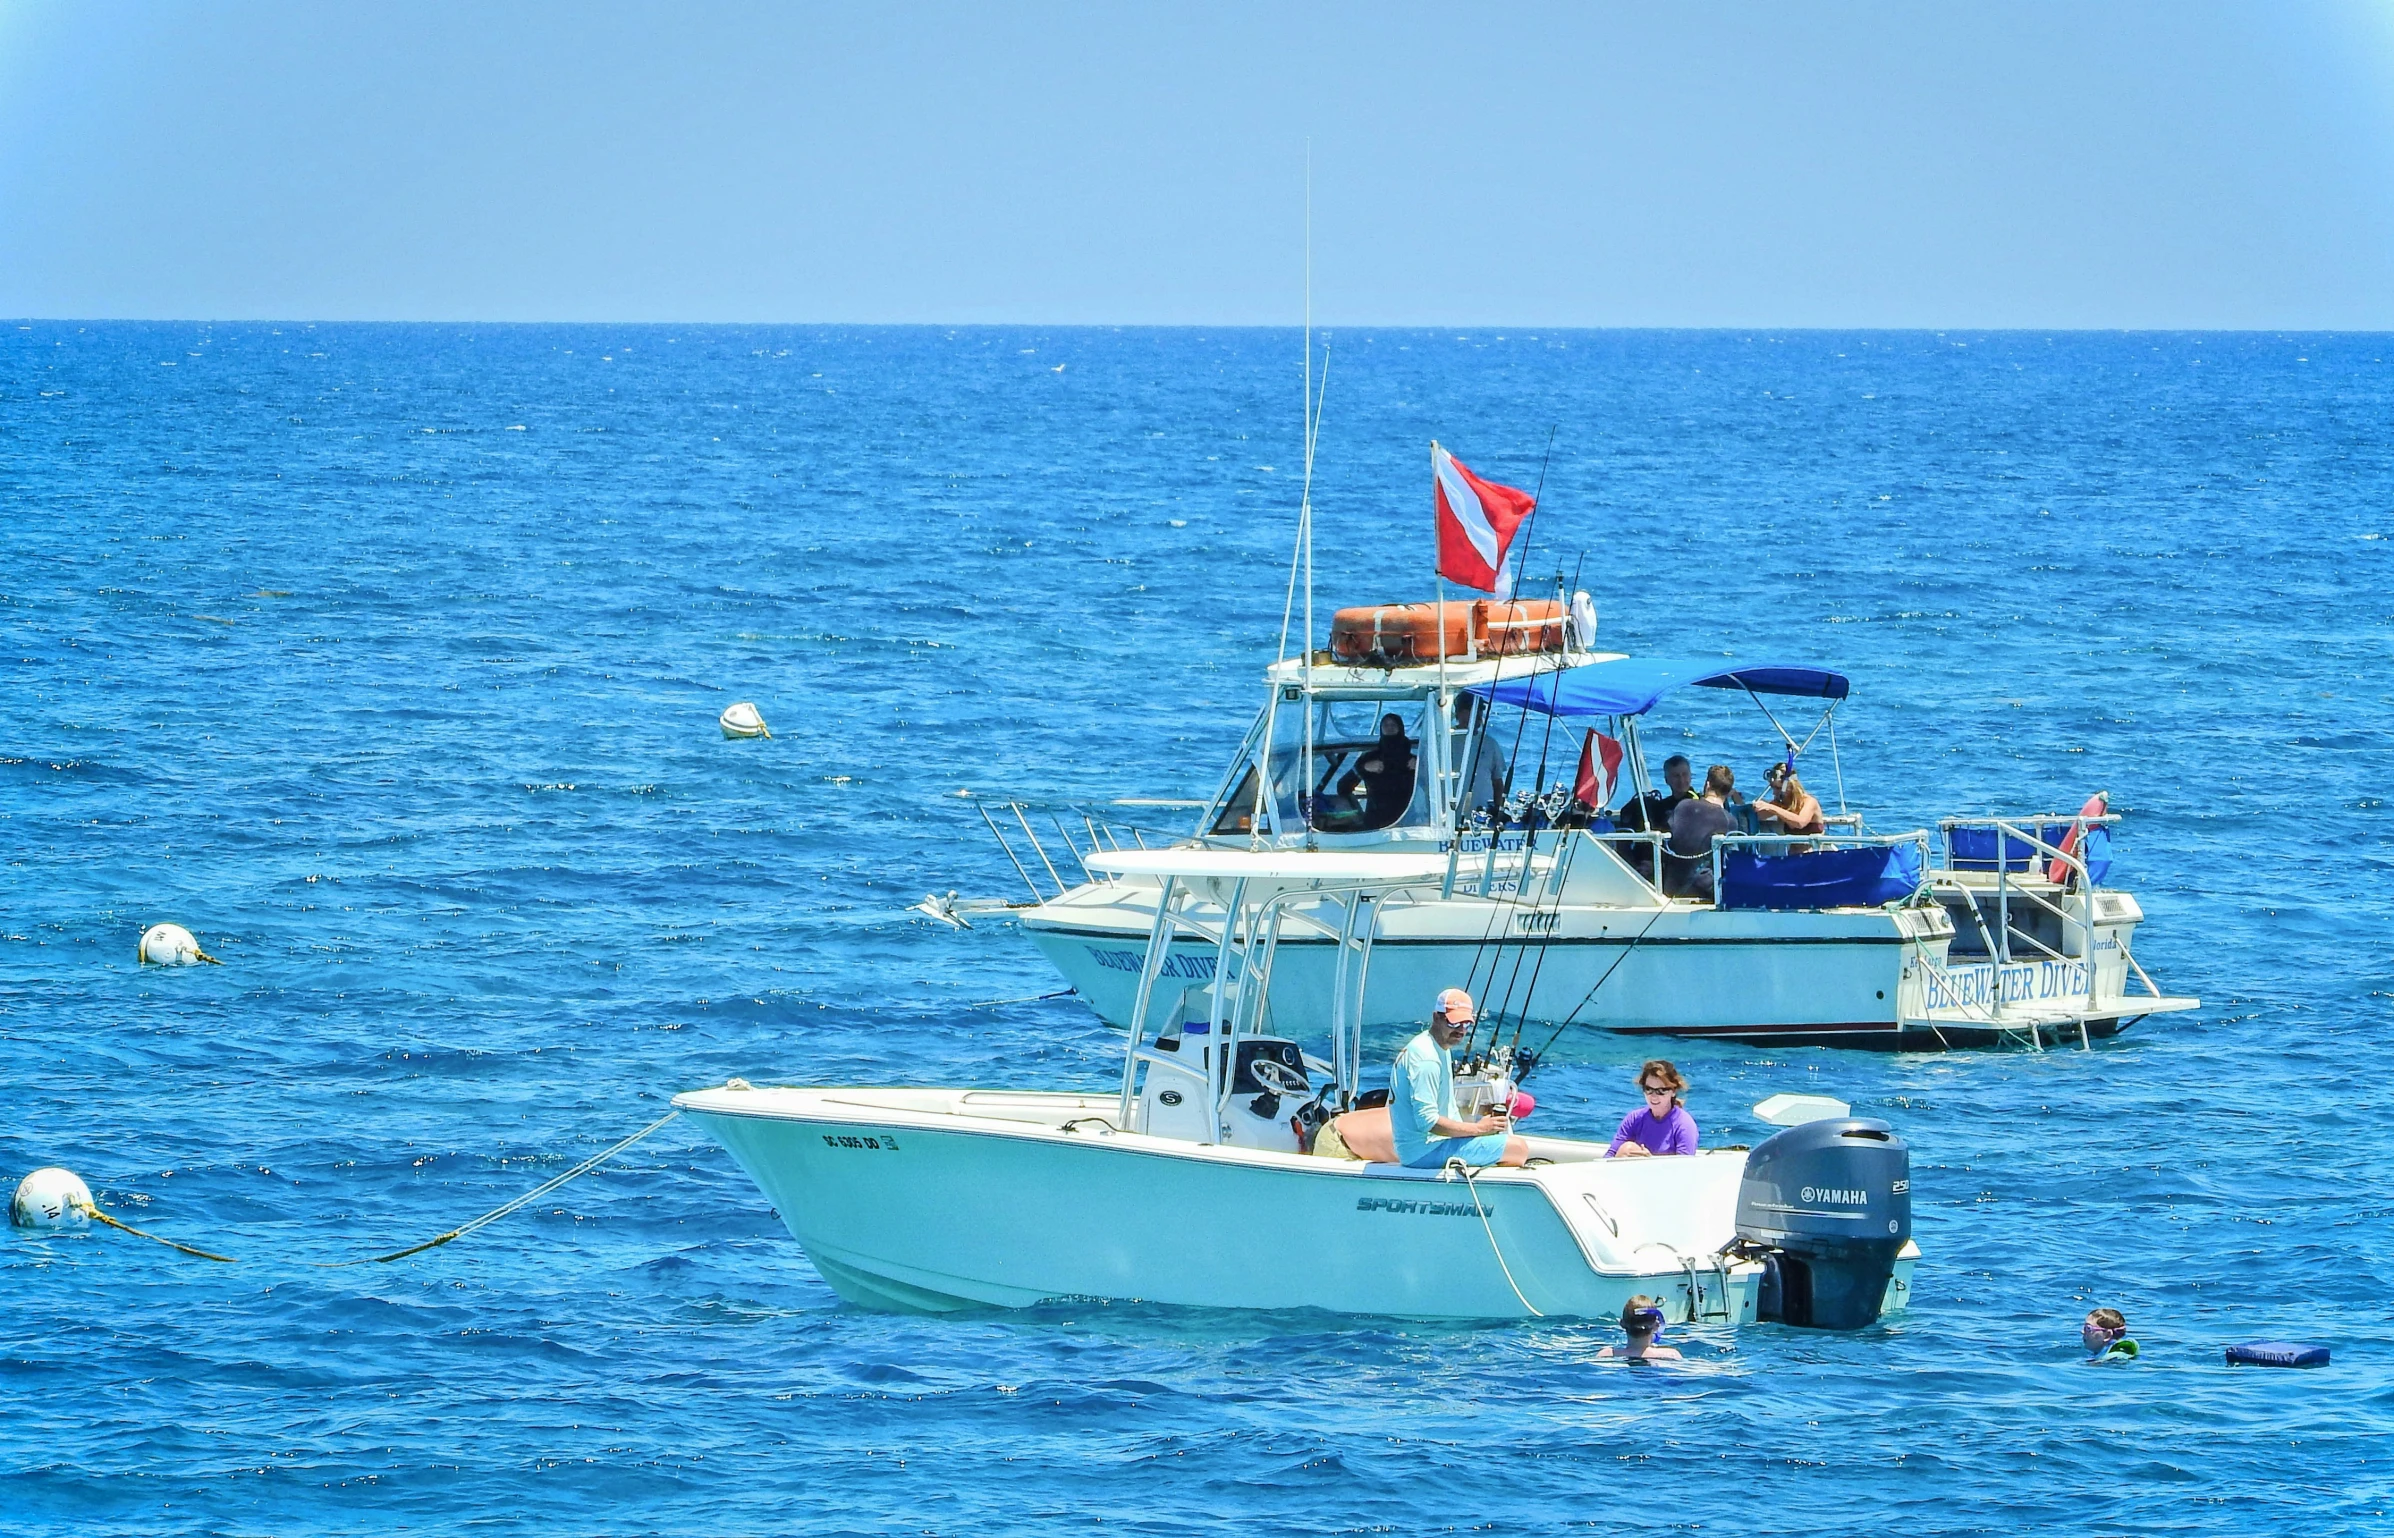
column 1793, row 808
column 1421, row 1099
column 1641, row 1321
column 1651, row 812
column 1662, row 1125
column 1385, row 774
column 1687, row 872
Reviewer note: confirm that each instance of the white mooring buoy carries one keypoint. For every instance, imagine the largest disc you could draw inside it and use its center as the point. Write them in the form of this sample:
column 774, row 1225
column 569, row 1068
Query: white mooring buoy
column 171, row 945
column 51, row 1198
column 742, row 720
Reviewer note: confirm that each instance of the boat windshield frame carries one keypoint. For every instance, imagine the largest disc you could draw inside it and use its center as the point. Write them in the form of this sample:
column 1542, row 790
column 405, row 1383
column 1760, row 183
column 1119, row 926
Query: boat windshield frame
column 1245, row 933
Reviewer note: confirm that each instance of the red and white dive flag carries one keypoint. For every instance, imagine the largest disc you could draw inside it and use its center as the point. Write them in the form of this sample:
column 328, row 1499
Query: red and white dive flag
column 1476, row 520
column 1599, row 770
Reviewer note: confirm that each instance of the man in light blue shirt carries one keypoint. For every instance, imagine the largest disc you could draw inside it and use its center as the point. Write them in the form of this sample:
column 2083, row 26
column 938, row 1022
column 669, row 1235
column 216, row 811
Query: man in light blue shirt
column 1421, row 1099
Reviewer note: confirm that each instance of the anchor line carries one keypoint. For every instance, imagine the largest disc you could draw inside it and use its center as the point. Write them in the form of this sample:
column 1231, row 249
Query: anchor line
column 1060, row 993
column 459, row 1232
column 1599, row 983
column 1456, row 1167
column 91, row 1210
column 504, row 1208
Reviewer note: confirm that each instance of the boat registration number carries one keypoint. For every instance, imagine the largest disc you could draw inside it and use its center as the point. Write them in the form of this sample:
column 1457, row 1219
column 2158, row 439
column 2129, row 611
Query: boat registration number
column 859, row 1140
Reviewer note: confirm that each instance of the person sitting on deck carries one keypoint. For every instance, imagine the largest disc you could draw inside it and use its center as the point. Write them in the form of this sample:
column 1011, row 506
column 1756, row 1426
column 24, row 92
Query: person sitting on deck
column 1791, row 807
column 1687, row 861
column 1421, row 1099
column 1651, row 812
column 1662, row 1125
column 1385, row 774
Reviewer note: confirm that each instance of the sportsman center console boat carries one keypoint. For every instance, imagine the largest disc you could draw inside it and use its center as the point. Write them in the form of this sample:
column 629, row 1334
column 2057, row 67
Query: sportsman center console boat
column 1188, row 1183
column 1994, row 929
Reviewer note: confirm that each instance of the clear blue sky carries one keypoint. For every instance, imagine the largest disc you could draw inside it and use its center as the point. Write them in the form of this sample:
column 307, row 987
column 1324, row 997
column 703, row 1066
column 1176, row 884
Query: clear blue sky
column 1812, row 164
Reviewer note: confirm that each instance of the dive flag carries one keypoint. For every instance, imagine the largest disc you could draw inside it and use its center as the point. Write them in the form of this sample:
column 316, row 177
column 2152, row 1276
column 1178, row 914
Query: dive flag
column 1599, row 770
column 1476, row 520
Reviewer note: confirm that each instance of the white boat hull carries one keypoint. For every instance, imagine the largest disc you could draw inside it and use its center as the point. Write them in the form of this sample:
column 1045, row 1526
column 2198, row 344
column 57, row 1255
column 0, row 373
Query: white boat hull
column 1870, row 977
column 946, row 1199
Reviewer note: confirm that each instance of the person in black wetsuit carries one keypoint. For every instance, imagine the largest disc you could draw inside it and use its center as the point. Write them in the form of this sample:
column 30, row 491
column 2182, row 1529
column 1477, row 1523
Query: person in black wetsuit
column 1385, row 775
column 1651, row 812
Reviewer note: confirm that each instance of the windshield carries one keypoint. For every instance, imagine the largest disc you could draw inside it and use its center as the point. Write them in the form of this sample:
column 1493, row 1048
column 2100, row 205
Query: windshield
column 1368, row 771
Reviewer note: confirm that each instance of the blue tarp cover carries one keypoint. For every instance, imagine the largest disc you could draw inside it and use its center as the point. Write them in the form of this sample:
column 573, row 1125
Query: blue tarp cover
column 1826, row 878
column 1629, row 686
column 1974, row 849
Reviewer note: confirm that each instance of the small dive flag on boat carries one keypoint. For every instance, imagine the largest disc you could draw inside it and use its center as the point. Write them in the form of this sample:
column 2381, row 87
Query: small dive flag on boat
column 1476, row 520
column 1599, row 770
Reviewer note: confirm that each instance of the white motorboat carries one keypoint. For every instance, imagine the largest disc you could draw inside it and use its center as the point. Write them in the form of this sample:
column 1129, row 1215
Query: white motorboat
column 1188, row 1183
column 1994, row 928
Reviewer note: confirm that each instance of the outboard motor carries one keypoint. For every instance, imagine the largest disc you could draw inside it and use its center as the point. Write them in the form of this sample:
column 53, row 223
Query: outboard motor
column 1827, row 1205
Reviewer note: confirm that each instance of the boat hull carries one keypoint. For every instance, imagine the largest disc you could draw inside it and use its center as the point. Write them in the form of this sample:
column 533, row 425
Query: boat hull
column 1837, row 977
column 926, row 1200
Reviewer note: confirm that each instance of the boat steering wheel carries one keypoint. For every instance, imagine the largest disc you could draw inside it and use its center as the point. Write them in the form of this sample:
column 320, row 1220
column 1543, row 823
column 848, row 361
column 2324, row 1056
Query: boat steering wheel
column 1279, row 1078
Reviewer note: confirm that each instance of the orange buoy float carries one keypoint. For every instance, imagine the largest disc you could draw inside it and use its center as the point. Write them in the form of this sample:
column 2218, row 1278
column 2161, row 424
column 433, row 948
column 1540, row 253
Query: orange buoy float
column 2097, row 805
column 1412, row 634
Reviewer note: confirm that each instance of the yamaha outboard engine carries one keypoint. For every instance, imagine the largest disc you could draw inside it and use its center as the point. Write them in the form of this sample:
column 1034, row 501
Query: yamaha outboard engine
column 1827, row 1205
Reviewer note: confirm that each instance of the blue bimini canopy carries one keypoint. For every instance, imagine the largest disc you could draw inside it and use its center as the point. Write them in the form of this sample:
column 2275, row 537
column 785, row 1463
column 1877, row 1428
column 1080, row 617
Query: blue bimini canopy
column 1629, row 686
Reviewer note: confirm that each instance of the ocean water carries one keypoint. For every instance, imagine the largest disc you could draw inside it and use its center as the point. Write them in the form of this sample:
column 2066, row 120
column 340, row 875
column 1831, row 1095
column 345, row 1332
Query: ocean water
column 387, row 660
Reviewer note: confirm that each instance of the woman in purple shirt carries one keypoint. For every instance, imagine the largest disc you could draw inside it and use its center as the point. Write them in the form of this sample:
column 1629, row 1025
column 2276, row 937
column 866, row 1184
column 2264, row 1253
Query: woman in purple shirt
column 1663, row 1127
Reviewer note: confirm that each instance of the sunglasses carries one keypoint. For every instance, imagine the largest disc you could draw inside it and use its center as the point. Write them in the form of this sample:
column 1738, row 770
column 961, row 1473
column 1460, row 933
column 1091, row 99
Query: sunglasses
column 1651, row 1091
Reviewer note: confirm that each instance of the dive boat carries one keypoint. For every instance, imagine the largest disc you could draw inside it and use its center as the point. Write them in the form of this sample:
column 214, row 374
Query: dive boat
column 1190, row 1183
column 1407, row 735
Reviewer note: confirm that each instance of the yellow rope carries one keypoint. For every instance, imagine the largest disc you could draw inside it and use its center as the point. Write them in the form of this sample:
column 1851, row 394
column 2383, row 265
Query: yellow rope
column 460, row 1231
column 1471, row 1184
column 91, row 1211
column 503, row 1209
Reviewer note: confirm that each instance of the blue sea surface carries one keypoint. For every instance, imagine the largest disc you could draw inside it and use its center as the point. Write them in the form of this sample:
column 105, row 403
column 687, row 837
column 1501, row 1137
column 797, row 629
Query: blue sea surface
column 387, row 659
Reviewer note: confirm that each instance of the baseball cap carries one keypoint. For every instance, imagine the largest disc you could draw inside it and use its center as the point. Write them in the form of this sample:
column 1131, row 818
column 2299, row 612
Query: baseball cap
column 1456, row 1005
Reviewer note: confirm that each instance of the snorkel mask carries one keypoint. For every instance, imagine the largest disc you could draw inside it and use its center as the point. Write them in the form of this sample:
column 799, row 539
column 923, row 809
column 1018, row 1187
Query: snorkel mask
column 1646, row 1320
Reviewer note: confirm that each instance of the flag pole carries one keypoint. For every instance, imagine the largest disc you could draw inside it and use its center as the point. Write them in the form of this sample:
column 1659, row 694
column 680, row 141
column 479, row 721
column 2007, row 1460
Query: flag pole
column 1444, row 704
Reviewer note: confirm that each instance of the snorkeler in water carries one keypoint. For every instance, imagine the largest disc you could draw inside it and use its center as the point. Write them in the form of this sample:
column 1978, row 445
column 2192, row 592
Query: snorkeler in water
column 1641, row 1321
column 2105, row 1334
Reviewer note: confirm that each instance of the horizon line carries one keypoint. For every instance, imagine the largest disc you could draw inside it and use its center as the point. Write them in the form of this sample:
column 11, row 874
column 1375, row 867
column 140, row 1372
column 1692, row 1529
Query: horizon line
column 26, row 322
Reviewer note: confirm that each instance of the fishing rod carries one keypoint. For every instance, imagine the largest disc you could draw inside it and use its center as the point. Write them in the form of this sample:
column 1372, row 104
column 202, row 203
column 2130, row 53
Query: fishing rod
column 1527, row 998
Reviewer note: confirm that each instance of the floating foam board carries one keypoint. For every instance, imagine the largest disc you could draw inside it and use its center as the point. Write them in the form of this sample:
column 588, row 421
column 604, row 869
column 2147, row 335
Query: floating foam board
column 2277, row 1353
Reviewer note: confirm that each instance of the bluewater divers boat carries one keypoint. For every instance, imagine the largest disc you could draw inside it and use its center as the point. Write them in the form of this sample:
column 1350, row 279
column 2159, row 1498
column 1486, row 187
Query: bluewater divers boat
column 1563, row 910
column 1189, row 1184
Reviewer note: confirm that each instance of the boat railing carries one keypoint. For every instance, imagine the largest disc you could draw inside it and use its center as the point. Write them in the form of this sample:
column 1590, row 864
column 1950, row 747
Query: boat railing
column 1620, row 839
column 2027, row 843
column 1103, row 825
column 1861, row 890
column 2023, row 841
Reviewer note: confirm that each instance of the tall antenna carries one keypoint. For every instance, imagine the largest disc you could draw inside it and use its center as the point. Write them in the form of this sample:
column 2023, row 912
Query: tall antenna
column 1312, row 422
